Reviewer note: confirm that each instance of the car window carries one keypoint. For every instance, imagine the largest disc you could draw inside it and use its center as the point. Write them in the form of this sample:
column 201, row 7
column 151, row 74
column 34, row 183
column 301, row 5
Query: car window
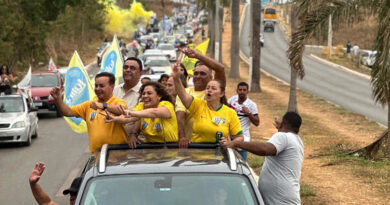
column 205, row 189
column 11, row 104
column 166, row 47
column 157, row 62
column 44, row 81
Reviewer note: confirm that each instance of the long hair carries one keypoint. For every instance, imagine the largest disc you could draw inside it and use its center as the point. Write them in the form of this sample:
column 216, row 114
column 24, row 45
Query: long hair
column 160, row 90
column 7, row 69
column 222, row 86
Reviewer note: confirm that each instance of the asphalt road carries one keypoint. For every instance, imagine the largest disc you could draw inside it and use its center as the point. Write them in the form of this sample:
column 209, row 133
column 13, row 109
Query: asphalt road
column 332, row 84
column 63, row 151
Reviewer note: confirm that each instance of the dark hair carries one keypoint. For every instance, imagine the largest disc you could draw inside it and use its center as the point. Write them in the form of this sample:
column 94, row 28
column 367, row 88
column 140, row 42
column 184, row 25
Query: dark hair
column 106, row 74
column 162, row 77
column 135, row 59
column 223, row 99
column 198, row 63
column 293, row 121
column 243, row 84
column 7, row 69
column 146, row 78
column 185, row 70
column 160, row 90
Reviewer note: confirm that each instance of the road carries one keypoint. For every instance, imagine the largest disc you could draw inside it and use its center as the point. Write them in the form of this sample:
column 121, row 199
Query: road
column 63, row 151
column 337, row 86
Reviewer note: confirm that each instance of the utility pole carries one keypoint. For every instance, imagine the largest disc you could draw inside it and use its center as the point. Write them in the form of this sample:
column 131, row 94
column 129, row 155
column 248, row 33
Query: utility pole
column 217, row 32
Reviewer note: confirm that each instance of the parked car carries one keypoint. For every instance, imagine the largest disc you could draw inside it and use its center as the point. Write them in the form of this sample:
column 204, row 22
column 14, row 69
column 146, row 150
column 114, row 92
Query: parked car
column 41, row 85
column 169, row 50
column 188, row 30
column 101, row 50
column 269, row 26
column 368, row 58
column 151, row 174
column 18, row 120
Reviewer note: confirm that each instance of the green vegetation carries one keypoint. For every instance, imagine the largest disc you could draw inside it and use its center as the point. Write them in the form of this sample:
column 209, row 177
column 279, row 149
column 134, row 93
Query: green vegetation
column 307, row 191
column 33, row 30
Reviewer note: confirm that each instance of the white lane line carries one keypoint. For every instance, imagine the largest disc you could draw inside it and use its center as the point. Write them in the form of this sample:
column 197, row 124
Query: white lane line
column 73, row 174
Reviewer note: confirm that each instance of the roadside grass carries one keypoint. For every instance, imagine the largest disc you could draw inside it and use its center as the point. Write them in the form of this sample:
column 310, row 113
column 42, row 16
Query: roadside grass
column 374, row 172
column 307, row 190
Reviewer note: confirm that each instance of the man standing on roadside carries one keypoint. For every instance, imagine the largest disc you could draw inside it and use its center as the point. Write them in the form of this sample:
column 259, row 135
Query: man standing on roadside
column 281, row 171
column 202, row 75
column 99, row 132
column 246, row 111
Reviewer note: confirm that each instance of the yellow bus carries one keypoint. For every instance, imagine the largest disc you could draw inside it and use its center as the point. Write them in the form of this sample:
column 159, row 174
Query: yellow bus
column 269, row 14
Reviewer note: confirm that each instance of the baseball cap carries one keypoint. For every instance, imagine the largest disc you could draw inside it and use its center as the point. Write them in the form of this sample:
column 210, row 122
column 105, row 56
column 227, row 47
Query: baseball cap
column 74, row 187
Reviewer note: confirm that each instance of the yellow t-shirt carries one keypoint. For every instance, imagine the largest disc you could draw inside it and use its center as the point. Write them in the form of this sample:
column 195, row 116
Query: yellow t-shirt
column 155, row 129
column 208, row 122
column 99, row 132
column 189, row 121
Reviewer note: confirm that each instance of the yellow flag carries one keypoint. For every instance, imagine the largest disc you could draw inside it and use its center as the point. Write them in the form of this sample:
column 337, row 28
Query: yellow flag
column 189, row 63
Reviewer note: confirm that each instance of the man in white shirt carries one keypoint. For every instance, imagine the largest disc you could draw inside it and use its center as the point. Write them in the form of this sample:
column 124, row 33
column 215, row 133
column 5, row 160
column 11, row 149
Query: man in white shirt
column 246, row 111
column 281, row 171
column 128, row 91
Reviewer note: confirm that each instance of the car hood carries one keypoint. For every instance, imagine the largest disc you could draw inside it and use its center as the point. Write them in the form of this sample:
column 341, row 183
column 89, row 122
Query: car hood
column 172, row 53
column 10, row 117
column 40, row 91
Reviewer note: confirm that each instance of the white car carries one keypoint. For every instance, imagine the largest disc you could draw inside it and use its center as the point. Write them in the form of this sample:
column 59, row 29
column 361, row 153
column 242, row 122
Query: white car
column 261, row 40
column 18, row 120
column 158, row 65
column 369, row 60
column 188, row 30
column 168, row 49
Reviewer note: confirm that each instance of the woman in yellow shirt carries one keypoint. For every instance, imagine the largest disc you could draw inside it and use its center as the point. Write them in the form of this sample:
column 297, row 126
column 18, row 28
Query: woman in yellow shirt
column 154, row 116
column 211, row 116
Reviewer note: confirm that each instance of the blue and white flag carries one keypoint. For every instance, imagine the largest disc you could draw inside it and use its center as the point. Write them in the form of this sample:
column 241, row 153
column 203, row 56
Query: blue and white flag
column 112, row 61
column 78, row 89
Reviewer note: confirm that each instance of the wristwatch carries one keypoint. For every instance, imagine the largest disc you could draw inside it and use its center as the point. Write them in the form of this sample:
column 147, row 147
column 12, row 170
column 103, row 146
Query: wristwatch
column 104, row 106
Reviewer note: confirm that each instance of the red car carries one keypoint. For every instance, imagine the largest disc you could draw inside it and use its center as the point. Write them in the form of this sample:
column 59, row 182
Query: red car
column 41, row 84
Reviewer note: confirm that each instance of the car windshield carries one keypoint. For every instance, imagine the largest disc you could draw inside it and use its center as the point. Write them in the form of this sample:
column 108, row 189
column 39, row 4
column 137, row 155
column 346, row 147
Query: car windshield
column 169, row 189
column 11, row 104
column 157, row 62
column 44, row 81
column 166, row 47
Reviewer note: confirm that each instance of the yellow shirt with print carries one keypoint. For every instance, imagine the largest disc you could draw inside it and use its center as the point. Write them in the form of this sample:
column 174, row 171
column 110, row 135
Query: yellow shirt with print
column 189, row 121
column 99, row 132
column 155, row 129
column 208, row 122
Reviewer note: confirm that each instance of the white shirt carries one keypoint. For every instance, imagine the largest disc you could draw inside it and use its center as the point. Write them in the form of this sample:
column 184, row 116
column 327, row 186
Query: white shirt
column 244, row 118
column 280, row 174
column 130, row 97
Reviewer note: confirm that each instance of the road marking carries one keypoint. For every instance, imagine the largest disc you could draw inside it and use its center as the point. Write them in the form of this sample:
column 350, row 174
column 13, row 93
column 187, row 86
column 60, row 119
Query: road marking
column 73, row 174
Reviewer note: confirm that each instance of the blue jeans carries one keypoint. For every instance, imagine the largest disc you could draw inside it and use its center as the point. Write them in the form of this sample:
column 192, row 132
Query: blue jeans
column 243, row 154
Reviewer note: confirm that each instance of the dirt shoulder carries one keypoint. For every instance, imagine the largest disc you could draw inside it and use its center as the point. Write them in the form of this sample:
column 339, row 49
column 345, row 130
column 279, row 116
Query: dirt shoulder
column 326, row 128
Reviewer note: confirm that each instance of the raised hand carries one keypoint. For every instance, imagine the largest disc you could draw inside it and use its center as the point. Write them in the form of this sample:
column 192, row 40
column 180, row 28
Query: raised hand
column 277, row 123
column 189, row 52
column 56, row 92
column 36, row 173
column 95, row 105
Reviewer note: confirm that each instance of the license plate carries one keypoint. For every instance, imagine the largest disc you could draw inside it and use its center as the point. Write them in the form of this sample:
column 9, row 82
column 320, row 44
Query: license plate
column 38, row 103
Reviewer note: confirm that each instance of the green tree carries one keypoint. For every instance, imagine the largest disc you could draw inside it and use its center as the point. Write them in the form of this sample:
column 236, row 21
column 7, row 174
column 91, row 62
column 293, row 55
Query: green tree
column 315, row 13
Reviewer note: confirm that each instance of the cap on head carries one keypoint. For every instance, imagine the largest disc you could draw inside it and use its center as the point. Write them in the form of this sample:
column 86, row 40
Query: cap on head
column 74, row 187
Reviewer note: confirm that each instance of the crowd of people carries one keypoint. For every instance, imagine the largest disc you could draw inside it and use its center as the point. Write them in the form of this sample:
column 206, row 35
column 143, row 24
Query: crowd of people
column 173, row 110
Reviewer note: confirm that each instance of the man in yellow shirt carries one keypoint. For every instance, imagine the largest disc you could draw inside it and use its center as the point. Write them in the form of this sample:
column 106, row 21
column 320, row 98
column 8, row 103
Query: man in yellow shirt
column 202, row 75
column 99, row 132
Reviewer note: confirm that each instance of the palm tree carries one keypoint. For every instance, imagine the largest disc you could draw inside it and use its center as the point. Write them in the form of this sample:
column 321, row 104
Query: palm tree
column 292, row 100
column 315, row 13
column 235, row 41
column 255, row 50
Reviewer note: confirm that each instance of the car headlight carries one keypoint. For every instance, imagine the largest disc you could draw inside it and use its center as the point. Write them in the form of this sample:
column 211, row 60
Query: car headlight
column 19, row 124
column 50, row 97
